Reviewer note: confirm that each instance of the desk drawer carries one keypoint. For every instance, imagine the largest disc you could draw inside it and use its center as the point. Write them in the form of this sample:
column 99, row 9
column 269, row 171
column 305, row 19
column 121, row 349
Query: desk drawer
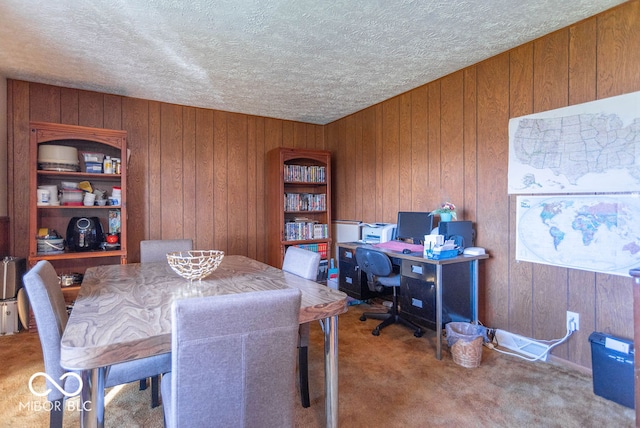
column 350, row 277
column 418, row 293
column 420, row 271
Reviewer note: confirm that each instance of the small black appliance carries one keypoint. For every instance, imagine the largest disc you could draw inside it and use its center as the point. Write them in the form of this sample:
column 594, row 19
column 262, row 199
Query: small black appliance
column 84, row 234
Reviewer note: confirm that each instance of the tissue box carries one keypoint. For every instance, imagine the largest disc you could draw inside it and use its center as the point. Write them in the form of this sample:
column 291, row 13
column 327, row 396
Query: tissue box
column 445, row 254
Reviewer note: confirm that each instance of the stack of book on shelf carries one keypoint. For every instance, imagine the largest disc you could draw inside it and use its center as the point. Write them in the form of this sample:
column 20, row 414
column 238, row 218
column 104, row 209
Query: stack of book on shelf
column 304, row 174
column 305, row 202
column 305, row 229
column 320, row 248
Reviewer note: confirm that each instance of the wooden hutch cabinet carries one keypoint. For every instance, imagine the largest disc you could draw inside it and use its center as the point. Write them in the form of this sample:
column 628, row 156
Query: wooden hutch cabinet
column 298, row 202
column 55, row 174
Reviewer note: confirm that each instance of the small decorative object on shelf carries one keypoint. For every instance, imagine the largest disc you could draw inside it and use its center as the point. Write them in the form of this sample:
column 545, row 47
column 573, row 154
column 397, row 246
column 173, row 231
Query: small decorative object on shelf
column 447, row 211
column 195, row 264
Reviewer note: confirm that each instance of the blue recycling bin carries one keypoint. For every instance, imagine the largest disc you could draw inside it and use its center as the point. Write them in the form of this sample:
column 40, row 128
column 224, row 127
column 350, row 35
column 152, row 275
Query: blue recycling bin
column 612, row 359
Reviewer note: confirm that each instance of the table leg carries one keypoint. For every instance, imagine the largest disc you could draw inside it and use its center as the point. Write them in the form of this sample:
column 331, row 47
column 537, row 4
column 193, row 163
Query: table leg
column 331, row 370
column 439, row 311
column 474, row 291
column 92, row 397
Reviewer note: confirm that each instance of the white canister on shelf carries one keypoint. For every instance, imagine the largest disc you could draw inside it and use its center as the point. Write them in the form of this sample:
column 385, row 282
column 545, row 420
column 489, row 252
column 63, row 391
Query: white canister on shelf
column 43, row 196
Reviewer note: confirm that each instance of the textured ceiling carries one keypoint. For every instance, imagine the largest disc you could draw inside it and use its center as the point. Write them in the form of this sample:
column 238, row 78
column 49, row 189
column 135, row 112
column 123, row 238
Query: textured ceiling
column 310, row 61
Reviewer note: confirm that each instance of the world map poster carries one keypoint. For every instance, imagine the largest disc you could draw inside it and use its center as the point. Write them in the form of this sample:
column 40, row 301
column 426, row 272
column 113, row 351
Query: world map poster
column 589, row 147
column 599, row 233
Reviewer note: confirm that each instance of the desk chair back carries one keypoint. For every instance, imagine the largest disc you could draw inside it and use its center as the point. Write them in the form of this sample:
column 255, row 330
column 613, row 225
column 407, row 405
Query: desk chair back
column 378, row 268
column 233, row 360
column 156, row 250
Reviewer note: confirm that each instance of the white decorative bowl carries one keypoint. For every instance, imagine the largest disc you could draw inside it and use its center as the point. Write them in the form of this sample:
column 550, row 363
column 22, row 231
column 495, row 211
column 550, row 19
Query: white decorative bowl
column 195, row 264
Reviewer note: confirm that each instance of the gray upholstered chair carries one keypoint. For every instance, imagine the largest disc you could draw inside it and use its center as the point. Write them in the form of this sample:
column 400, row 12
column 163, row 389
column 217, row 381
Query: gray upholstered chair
column 302, row 263
column 233, row 360
column 49, row 309
column 155, row 250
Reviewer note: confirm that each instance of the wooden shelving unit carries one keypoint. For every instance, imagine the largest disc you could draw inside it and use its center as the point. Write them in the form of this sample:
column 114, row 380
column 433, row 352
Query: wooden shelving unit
column 298, row 202
column 84, row 139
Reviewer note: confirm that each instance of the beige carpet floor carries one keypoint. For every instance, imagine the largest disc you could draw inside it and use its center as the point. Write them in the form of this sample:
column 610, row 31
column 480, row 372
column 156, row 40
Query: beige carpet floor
column 393, row 380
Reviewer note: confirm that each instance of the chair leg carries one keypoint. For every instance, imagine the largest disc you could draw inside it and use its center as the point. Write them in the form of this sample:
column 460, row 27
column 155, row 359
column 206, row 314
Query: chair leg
column 303, row 369
column 56, row 413
column 155, row 391
column 391, row 317
column 143, row 384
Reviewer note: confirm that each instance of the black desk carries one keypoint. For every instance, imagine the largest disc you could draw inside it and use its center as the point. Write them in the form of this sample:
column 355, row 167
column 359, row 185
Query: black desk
column 423, row 283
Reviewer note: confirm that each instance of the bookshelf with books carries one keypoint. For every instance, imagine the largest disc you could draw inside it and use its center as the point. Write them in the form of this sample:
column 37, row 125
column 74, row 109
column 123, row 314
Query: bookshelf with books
column 298, row 202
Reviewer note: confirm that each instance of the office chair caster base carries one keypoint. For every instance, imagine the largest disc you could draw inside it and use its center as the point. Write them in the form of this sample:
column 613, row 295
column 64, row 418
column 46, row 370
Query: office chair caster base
column 376, row 332
column 417, row 333
column 363, row 318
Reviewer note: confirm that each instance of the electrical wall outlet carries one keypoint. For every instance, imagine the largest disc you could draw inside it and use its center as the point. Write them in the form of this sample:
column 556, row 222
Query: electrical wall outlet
column 573, row 321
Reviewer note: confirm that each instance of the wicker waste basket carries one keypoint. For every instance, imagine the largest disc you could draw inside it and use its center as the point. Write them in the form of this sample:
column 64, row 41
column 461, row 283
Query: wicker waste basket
column 465, row 340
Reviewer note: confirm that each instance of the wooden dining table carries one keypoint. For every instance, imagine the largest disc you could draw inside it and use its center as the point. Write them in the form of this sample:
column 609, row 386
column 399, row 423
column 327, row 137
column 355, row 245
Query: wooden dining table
column 123, row 312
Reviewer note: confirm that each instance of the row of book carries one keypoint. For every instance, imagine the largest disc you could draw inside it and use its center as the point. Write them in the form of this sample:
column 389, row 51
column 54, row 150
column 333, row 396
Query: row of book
column 305, row 202
column 304, row 174
column 302, row 230
column 320, row 247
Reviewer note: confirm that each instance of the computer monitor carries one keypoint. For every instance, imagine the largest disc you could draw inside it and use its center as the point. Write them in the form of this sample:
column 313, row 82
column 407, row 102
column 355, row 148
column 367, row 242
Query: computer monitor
column 414, row 225
column 463, row 229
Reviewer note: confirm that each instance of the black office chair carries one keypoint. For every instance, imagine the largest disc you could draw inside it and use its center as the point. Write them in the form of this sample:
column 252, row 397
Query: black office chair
column 379, row 270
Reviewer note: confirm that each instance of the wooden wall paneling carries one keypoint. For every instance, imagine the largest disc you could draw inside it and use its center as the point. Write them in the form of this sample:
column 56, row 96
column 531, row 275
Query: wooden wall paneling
column 614, row 305
column 404, row 153
column 422, row 198
column 237, row 196
column 470, row 147
column 91, row 109
column 17, row 154
column 434, row 142
column 272, row 134
column 288, row 138
column 581, row 299
column 357, row 168
column 332, row 145
column 301, row 136
column 520, row 273
column 252, row 182
column 69, row 106
column 451, row 140
column 153, row 180
column 390, row 159
column 171, row 171
column 112, row 111
column 135, row 120
column 5, row 240
column 550, row 83
column 581, row 284
column 367, row 192
column 493, row 207
column 44, row 103
column 220, row 180
column 255, row 190
column 339, row 185
column 261, row 190
column 618, row 37
column 191, row 191
column 379, row 150
column 349, row 172
column 204, row 212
